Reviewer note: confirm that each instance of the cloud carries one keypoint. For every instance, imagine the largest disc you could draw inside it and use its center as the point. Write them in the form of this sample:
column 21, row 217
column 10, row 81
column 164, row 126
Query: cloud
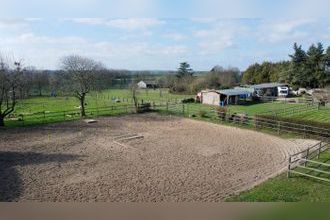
column 124, row 24
column 31, row 38
column 220, row 35
column 216, row 45
column 279, row 31
column 138, row 49
column 17, row 23
column 175, row 36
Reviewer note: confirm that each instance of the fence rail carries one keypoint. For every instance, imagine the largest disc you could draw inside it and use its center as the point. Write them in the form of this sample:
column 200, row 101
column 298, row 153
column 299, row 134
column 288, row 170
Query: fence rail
column 292, row 110
column 302, row 159
column 187, row 110
column 256, row 122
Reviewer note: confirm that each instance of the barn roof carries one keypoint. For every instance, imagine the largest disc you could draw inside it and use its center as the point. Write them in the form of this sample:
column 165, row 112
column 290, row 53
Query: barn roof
column 232, row 92
column 267, row 85
column 235, row 92
column 149, row 82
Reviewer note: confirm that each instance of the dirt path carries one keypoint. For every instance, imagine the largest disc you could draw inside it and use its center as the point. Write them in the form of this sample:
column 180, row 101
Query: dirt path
column 177, row 160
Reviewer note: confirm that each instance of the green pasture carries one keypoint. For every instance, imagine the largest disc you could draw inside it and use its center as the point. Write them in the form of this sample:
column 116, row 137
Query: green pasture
column 52, row 108
column 321, row 115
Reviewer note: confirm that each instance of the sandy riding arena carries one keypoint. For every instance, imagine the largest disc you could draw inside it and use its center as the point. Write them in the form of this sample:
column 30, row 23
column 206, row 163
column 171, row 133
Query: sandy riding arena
column 137, row 158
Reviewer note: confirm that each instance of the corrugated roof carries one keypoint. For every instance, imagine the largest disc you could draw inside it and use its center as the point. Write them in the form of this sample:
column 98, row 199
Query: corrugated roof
column 232, row 92
column 149, row 82
column 235, row 92
column 267, row 85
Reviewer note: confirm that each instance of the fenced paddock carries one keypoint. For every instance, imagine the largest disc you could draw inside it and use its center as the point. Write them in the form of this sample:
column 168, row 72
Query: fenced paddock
column 198, row 111
column 254, row 122
column 158, row 158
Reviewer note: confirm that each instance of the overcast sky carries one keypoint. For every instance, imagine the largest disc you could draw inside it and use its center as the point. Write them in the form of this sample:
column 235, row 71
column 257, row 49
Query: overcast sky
column 146, row 34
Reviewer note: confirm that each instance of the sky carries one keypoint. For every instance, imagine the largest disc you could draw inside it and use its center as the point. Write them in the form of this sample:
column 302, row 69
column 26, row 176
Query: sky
column 158, row 35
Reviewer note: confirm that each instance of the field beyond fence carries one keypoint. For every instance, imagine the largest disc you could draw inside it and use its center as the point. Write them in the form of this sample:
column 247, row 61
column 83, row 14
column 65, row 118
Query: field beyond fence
column 258, row 122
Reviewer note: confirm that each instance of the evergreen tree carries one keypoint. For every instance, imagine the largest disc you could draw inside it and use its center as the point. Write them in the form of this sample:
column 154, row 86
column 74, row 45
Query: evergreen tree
column 249, row 76
column 327, row 62
column 315, row 66
column 184, row 70
column 298, row 75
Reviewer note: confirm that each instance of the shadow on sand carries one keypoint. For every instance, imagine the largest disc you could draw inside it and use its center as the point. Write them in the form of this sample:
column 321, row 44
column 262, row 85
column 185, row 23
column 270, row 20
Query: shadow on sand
column 10, row 181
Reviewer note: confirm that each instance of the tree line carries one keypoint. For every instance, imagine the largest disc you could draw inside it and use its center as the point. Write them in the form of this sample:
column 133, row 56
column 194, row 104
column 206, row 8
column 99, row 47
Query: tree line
column 186, row 81
column 79, row 75
column 307, row 69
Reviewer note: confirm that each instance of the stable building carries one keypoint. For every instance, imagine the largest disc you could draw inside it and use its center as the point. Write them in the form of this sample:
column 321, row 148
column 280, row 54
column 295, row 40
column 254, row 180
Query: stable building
column 225, row 97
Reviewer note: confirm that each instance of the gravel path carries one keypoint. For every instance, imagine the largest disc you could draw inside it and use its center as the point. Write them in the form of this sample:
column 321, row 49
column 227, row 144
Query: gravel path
column 177, row 160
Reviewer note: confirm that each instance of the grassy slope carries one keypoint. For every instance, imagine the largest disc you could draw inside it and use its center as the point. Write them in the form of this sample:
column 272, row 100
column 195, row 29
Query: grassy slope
column 296, row 188
column 322, row 115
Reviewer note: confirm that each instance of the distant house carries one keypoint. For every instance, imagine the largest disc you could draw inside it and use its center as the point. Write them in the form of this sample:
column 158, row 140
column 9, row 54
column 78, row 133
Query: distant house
column 147, row 85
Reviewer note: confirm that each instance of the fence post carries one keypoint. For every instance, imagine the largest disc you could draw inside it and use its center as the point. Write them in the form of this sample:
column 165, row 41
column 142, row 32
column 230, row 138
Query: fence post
column 167, row 106
column 319, row 150
column 278, row 127
column 183, row 109
column 306, row 157
column 289, row 167
column 304, row 131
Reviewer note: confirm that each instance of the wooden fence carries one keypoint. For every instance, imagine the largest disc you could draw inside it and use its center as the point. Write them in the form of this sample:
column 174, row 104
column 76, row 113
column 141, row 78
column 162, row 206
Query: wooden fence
column 187, row 110
column 302, row 159
column 255, row 122
column 292, row 110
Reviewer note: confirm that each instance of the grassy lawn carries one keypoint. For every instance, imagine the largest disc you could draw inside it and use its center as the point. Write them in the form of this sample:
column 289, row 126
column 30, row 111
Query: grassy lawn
column 250, row 109
column 55, row 106
column 108, row 98
column 296, row 188
column 93, row 100
column 322, row 115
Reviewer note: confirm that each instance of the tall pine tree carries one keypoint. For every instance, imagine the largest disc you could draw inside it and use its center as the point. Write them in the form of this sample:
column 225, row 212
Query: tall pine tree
column 298, row 73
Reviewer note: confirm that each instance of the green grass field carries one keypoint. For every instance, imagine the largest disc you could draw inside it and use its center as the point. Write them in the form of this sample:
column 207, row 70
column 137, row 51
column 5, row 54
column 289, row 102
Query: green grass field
column 322, row 115
column 93, row 100
column 294, row 189
column 108, row 98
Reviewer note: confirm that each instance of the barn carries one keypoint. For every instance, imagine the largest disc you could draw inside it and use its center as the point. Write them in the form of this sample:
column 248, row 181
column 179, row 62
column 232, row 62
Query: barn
column 147, row 85
column 225, row 97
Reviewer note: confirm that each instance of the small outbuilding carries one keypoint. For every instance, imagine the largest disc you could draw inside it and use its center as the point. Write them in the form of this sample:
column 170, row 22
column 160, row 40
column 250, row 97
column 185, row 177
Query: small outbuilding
column 147, row 84
column 225, row 97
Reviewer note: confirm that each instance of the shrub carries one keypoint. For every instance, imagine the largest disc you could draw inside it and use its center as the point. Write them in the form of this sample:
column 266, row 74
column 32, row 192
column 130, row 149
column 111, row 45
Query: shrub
column 221, row 111
column 146, row 107
column 189, row 100
column 202, row 113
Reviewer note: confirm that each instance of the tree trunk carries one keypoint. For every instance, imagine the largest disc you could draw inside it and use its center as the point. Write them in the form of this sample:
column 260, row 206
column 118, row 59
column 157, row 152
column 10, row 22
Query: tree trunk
column 82, row 104
column 2, row 121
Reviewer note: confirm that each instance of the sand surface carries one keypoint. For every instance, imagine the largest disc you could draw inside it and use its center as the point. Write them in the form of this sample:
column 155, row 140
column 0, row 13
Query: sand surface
column 176, row 160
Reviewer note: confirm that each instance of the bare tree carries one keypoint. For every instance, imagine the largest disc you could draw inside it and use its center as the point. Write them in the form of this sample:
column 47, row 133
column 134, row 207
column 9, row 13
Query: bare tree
column 9, row 85
column 81, row 72
column 134, row 88
column 41, row 81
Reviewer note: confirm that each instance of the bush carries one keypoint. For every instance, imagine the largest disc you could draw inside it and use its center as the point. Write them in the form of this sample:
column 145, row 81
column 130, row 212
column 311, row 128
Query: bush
column 189, row 100
column 221, row 111
column 146, row 107
column 202, row 113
